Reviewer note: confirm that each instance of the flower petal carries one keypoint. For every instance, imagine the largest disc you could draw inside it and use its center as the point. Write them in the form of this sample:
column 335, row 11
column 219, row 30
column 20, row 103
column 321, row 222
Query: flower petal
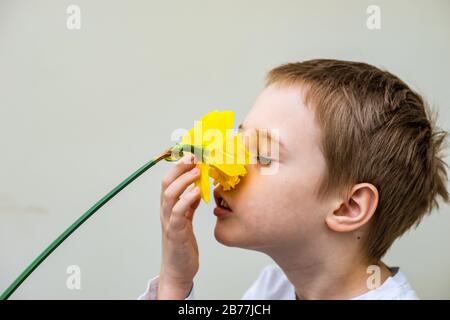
column 203, row 181
column 211, row 127
column 227, row 182
column 219, row 120
column 232, row 158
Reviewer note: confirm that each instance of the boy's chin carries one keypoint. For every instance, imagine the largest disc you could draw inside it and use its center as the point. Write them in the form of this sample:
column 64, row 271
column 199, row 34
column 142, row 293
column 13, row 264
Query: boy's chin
column 232, row 235
column 224, row 235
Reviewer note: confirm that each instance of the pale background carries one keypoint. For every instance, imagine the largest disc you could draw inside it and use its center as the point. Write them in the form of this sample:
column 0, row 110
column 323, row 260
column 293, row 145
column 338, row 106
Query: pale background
column 80, row 110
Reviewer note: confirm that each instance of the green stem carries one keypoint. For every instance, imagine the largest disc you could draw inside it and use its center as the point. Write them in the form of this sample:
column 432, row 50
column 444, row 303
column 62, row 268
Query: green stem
column 36, row 262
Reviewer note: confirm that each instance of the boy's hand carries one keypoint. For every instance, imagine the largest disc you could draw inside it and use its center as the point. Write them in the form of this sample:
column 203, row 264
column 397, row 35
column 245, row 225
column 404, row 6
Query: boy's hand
column 179, row 248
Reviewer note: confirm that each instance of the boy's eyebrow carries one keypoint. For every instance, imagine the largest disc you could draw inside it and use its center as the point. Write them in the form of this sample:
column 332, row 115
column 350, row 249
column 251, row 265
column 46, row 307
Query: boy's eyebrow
column 267, row 132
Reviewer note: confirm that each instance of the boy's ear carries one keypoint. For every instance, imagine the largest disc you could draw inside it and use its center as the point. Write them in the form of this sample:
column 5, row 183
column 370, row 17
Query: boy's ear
column 355, row 211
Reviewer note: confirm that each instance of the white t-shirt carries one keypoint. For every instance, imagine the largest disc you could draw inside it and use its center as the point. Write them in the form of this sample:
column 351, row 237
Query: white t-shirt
column 272, row 284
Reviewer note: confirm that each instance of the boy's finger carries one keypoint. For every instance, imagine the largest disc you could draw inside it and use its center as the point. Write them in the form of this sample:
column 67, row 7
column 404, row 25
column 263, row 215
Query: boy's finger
column 174, row 191
column 184, row 164
column 194, row 206
column 178, row 218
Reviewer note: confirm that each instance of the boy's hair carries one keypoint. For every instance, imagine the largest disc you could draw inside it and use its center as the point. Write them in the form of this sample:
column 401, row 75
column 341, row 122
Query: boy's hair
column 375, row 129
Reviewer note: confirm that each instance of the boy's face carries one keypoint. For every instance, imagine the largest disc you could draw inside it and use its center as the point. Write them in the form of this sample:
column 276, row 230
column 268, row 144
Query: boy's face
column 281, row 208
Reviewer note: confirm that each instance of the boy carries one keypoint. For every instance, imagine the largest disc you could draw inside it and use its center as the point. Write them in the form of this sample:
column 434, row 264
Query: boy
column 359, row 164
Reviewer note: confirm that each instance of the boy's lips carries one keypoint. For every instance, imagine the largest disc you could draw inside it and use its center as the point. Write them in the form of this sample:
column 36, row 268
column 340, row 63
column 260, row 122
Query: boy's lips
column 222, row 205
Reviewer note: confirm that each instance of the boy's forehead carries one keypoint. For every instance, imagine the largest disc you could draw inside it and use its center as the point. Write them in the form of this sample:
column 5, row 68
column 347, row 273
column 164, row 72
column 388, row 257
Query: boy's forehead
column 276, row 105
column 281, row 108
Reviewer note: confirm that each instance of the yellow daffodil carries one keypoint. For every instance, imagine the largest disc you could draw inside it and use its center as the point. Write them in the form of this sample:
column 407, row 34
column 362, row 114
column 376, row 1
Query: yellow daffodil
column 223, row 154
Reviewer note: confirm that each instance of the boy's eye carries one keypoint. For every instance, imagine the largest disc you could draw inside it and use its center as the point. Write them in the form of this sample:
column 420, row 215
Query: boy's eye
column 263, row 160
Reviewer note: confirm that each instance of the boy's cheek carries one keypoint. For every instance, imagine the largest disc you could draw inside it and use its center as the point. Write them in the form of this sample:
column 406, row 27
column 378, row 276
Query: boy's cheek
column 274, row 199
column 260, row 223
column 268, row 209
column 287, row 212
